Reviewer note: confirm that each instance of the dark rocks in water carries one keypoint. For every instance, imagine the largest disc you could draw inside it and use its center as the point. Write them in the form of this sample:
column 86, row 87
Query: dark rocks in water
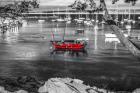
column 27, row 83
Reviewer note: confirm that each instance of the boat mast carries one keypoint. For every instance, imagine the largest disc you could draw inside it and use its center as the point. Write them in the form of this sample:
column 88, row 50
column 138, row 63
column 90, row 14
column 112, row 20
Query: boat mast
column 63, row 39
column 53, row 39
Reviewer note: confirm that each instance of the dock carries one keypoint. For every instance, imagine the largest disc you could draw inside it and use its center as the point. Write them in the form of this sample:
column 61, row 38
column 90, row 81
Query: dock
column 130, row 45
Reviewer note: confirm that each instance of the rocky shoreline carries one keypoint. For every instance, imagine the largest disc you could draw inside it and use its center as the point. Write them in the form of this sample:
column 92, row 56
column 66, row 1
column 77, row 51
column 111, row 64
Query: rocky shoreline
column 27, row 84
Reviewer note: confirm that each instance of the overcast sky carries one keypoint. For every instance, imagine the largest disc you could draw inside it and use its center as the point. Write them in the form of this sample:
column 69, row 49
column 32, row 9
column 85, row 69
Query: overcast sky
column 68, row 2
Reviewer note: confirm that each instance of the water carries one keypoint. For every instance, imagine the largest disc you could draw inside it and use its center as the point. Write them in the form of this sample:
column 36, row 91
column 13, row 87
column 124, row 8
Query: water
column 27, row 52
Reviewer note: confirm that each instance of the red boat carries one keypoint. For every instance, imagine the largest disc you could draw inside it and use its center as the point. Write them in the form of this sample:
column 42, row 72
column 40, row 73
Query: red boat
column 70, row 46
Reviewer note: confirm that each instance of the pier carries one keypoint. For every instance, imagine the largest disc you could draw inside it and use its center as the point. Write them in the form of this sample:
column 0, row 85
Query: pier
column 124, row 40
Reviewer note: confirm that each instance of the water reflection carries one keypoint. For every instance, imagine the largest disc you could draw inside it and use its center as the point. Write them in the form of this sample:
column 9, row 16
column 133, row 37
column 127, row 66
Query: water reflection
column 10, row 36
column 112, row 38
column 96, row 37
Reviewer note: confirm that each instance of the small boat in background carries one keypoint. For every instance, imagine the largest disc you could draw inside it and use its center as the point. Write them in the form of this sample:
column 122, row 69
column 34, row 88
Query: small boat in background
column 80, row 21
column 60, row 20
column 78, row 31
column 41, row 21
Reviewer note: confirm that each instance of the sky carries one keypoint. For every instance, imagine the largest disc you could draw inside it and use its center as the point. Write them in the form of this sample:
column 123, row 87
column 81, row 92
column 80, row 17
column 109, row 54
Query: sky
column 68, row 2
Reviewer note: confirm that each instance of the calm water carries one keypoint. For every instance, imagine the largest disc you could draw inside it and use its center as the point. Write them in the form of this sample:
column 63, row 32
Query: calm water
column 27, row 52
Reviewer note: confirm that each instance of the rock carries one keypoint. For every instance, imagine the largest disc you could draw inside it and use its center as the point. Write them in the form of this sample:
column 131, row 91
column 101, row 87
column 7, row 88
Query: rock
column 26, row 79
column 65, row 79
column 21, row 91
column 43, row 89
column 66, row 85
column 1, row 89
column 78, row 81
column 7, row 91
column 136, row 91
column 91, row 90
column 102, row 90
column 52, row 91
column 55, row 85
column 27, row 83
column 11, row 85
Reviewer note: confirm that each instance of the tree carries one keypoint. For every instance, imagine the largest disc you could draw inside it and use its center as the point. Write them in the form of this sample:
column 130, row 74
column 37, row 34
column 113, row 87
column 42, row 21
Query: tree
column 131, row 1
column 16, row 9
column 83, row 4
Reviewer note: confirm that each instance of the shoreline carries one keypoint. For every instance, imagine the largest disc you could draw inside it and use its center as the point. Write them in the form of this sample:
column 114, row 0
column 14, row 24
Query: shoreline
column 28, row 84
column 113, row 82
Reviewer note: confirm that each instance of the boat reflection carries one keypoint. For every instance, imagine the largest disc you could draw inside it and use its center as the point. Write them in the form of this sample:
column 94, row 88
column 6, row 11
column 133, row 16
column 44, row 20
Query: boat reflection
column 70, row 53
